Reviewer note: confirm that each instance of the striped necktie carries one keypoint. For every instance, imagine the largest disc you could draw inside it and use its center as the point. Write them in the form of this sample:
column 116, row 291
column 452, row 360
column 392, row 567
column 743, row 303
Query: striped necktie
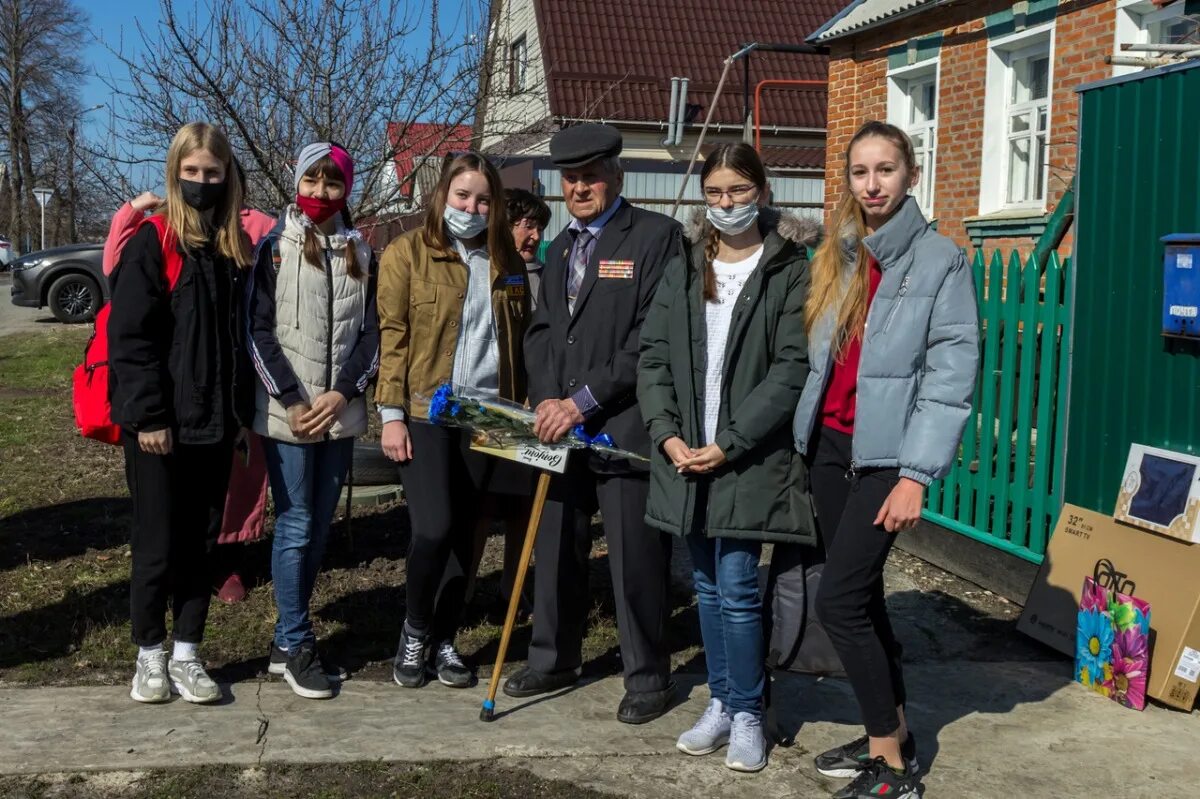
column 579, row 259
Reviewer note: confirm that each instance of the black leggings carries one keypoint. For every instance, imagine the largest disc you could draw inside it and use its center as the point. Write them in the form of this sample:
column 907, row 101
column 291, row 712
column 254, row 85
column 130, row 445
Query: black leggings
column 851, row 602
column 442, row 487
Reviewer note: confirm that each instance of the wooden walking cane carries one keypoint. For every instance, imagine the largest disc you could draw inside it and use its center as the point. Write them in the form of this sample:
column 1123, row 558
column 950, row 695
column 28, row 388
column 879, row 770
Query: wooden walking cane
column 488, row 712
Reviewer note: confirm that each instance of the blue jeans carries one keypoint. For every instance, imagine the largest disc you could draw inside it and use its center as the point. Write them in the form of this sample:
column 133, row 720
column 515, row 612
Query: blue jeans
column 725, row 574
column 306, row 481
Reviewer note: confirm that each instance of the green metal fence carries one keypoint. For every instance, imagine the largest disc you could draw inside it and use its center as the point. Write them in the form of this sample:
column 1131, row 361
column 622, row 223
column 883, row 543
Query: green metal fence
column 1006, row 487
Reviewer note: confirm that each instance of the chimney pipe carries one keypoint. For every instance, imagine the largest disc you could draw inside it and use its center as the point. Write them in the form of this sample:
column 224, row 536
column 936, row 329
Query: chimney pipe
column 682, row 112
column 671, row 113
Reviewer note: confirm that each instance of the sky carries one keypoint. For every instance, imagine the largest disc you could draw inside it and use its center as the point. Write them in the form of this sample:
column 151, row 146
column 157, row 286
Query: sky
column 113, row 23
column 109, row 22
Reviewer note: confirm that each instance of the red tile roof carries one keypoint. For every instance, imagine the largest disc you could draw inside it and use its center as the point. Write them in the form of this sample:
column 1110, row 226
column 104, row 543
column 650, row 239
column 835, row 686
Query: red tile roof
column 614, row 60
column 793, row 157
column 420, row 139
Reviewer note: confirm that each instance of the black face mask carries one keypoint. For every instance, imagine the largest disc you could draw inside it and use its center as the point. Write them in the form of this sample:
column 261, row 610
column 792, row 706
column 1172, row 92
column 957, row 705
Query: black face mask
column 201, row 196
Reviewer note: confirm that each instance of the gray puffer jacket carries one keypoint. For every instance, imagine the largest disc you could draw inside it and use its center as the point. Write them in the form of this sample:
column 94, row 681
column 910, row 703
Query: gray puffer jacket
column 920, row 353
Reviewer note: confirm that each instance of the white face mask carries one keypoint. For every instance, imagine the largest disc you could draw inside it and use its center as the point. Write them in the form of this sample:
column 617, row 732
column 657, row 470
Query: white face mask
column 735, row 220
column 463, row 225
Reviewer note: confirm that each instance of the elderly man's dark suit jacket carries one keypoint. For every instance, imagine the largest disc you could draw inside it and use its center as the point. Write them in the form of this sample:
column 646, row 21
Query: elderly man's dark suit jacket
column 597, row 346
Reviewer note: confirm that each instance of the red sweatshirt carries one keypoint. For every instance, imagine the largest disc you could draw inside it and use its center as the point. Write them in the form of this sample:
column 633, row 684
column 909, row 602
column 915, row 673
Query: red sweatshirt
column 841, row 394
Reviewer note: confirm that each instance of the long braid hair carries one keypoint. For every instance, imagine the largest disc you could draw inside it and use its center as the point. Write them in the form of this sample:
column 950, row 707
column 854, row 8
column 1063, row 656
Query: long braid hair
column 849, row 229
column 742, row 159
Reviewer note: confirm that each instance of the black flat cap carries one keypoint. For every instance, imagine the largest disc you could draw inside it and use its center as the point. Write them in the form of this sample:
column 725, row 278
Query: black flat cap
column 581, row 144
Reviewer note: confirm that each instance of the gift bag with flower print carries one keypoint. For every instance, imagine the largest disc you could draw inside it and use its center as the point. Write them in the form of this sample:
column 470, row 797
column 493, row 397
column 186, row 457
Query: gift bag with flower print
column 1112, row 644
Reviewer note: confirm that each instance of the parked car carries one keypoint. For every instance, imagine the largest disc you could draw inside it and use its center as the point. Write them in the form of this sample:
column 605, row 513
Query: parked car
column 69, row 280
column 6, row 252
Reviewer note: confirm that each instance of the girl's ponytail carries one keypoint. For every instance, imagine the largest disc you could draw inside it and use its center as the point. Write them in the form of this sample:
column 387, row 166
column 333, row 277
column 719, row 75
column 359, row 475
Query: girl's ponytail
column 313, row 254
column 353, row 268
column 710, row 255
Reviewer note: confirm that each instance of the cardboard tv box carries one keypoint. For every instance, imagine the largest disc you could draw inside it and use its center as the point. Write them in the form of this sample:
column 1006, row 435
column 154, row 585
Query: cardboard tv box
column 1163, row 571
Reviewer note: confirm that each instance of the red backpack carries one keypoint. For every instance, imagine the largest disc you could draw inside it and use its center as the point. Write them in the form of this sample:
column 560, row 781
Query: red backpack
column 93, row 409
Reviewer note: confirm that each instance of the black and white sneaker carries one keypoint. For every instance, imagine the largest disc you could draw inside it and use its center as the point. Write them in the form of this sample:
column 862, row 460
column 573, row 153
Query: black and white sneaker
column 408, row 669
column 847, row 760
column 449, row 667
column 877, row 779
column 277, row 660
column 305, row 674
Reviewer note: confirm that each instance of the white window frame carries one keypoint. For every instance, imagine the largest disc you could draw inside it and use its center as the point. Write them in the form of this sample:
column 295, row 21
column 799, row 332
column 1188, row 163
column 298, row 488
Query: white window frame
column 994, row 166
column 1140, row 22
column 900, row 99
column 518, row 64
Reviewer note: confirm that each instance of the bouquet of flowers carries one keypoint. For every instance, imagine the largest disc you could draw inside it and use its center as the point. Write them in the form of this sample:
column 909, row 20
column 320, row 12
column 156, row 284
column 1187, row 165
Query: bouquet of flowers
column 501, row 423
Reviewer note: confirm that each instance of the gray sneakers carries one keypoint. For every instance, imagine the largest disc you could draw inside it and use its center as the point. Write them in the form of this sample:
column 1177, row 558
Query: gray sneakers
column 189, row 680
column 150, row 682
column 747, row 744
column 709, row 734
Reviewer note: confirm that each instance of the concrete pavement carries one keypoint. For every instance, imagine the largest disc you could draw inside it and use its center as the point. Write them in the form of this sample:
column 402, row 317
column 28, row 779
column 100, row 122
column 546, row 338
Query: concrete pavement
column 21, row 320
column 997, row 729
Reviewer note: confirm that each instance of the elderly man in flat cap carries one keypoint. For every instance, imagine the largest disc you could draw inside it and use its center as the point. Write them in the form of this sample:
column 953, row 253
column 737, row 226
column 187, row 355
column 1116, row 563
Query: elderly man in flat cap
column 581, row 351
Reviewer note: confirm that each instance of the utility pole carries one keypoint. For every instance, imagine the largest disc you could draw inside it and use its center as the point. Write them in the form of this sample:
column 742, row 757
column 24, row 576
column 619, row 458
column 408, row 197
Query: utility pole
column 72, row 190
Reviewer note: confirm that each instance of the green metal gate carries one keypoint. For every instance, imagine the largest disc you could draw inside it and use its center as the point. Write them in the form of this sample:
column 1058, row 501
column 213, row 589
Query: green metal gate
column 1138, row 174
column 1005, row 489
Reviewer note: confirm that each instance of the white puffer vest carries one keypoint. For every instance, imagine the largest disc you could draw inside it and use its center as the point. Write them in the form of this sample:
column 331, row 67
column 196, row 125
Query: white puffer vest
column 319, row 313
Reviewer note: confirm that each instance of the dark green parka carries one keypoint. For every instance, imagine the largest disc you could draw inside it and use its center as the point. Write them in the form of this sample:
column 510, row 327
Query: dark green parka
column 761, row 493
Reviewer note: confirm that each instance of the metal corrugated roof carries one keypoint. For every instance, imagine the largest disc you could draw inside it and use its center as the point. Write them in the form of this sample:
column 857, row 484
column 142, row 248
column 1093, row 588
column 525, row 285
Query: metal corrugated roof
column 863, row 14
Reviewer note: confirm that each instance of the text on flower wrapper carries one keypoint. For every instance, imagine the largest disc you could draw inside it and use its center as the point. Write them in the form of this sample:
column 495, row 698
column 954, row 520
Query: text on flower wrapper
column 552, row 459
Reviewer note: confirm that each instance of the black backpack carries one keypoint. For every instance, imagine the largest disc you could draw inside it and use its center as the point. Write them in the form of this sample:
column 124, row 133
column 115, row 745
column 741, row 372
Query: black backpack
column 796, row 641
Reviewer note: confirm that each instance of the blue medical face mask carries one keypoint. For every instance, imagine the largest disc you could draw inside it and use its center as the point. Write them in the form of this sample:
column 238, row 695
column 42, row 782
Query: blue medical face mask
column 463, row 225
column 734, row 220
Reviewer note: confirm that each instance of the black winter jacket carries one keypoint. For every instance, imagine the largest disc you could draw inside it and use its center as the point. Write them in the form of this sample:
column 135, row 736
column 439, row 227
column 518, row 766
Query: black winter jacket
column 177, row 358
column 761, row 493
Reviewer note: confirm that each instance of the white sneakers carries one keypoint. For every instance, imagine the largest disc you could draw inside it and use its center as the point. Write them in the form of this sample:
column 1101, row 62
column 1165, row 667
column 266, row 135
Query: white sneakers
column 743, row 732
column 156, row 678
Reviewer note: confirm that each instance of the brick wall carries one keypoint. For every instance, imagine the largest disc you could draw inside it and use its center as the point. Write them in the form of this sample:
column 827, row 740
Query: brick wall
column 1083, row 36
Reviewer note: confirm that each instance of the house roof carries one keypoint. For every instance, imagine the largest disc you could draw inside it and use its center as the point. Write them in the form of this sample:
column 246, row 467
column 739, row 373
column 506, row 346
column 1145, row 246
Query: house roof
column 614, row 60
column 413, row 140
column 793, row 157
column 860, row 15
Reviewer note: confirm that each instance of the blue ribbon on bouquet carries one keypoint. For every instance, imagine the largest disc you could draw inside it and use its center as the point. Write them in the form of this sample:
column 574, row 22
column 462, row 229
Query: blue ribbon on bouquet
column 603, row 439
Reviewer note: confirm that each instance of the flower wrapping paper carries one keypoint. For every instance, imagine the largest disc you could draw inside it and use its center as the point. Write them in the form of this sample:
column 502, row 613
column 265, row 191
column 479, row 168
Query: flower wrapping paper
column 1112, row 644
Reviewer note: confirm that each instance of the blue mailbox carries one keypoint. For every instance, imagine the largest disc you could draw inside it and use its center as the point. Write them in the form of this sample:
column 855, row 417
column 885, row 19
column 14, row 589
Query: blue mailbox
column 1181, row 285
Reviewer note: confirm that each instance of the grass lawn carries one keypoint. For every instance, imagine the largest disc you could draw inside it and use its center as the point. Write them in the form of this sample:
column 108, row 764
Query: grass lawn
column 64, row 559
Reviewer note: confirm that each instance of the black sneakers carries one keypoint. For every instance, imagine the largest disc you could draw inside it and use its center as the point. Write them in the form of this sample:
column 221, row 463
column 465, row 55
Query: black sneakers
column 277, row 660
column 304, row 673
column 877, row 779
column 408, row 669
column 449, row 667
column 847, row 760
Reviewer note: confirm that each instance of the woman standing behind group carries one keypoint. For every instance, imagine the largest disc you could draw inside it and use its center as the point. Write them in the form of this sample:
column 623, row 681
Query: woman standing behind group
column 453, row 307
column 893, row 342
column 723, row 360
column 182, row 394
column 315, row 344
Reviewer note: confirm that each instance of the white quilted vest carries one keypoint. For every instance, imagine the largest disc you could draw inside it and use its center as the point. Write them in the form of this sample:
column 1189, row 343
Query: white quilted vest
column 306, row 299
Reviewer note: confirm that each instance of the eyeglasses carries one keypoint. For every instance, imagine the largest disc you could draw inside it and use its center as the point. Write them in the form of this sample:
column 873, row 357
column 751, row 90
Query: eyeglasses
column 738, row 194
column 528, row 224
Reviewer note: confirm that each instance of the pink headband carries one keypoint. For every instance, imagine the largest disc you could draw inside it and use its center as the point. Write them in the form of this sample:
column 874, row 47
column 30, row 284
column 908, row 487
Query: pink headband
column 314, row 152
